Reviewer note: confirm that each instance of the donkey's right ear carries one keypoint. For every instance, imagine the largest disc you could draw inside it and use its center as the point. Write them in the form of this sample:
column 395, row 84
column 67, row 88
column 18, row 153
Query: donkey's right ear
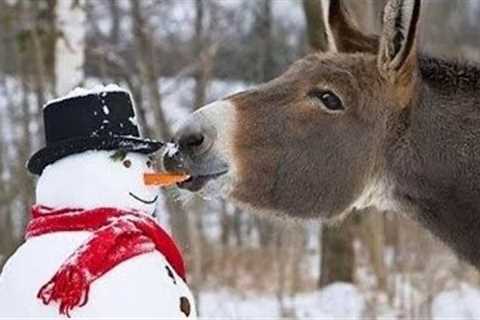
column 344, row 35
column 397, row 57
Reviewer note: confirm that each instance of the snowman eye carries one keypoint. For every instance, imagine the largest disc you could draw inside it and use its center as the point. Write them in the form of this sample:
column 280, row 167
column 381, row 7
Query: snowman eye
column 149, row 164
column 127, row 163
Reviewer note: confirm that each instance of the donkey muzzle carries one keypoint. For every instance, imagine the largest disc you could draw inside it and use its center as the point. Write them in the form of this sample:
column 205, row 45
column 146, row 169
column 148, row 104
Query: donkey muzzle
column 198, row 154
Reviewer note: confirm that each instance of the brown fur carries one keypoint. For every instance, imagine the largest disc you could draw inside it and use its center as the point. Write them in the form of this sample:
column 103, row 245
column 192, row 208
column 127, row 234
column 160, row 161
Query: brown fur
column 411, row 125
column 419, row 130
column 283, row 137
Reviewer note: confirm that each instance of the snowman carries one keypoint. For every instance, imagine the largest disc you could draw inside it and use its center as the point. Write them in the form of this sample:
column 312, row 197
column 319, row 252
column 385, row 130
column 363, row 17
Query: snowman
column 93, row 249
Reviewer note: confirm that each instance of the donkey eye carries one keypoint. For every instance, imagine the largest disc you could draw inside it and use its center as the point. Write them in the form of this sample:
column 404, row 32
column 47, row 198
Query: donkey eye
column 328, row 99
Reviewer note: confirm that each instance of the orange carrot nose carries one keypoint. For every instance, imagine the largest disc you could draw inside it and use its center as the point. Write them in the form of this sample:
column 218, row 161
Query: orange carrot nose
column 164, row 179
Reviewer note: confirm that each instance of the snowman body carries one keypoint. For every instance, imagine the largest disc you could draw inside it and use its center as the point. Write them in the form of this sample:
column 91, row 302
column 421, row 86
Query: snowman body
column 145, row 286
column 137, row 288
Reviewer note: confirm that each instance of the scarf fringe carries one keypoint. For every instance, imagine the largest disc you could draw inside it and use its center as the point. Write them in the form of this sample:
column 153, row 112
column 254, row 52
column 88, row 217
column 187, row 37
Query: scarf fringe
column 68, row 287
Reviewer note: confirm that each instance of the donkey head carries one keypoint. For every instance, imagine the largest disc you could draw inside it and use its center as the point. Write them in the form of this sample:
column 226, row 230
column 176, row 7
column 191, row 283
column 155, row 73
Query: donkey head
column 311, row 142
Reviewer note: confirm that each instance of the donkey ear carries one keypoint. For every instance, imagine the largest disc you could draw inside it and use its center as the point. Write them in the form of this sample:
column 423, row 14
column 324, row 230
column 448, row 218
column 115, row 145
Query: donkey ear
column 397, row 57
column 344, row 34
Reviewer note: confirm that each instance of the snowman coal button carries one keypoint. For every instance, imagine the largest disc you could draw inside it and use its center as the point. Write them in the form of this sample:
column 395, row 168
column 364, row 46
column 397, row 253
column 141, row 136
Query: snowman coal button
column 95, row 200
column 170, row 274
column 185, row 306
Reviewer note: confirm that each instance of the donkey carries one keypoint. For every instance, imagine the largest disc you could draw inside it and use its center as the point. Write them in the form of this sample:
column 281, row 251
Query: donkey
column 370, row 123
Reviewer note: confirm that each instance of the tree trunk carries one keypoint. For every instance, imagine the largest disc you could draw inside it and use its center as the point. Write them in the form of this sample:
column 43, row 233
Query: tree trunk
column 263, row 33
column 201, row 73
column 337, row 255
column 24, row 150
column 148, row 67
column 373, row 236
column 7, row 236
column 7, row 239
column 237, row 227
column 115, row 27
column 70, row 49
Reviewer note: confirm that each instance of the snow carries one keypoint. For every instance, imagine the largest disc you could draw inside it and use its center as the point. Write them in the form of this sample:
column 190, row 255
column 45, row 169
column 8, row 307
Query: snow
column 339, row 300
column 171, row 149
column 133, row 120
column 81, row 92
column 226, row 304
column 133, row 145
column 459, row 303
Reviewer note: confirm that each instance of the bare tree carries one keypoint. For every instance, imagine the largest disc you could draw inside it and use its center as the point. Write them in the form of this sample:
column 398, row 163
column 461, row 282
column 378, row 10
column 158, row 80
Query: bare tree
column 70, row 47
column 115, row 27
column 147, row 64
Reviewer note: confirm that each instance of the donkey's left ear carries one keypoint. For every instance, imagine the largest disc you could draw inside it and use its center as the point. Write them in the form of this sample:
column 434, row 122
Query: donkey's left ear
column 345, row 36
column 397, row 57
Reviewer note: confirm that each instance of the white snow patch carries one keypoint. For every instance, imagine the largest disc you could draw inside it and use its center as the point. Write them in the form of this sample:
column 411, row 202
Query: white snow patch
column 171, row 149
column 461, row 303
column 223, row 304
column 133, row 145
column 81, row 92
column 133, row 120
column 337, row 301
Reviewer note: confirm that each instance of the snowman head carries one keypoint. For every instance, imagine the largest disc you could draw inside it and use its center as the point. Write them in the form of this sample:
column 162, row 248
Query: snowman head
column 94, row 154
column 96, row 179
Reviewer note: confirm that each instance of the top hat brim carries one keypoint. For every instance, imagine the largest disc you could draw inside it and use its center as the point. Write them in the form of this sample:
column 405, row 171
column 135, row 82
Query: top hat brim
column 52, row 153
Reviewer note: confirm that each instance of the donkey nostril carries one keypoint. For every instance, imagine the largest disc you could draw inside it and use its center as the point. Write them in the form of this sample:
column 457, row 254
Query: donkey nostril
column 195, row 140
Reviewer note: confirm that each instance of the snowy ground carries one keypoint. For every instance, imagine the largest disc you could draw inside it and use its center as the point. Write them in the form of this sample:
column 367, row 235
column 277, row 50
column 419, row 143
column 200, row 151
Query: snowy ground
column 340, row 301
column 460, row 303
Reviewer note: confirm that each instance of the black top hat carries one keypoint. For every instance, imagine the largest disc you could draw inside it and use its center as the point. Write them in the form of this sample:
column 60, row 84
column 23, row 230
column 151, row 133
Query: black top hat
column 96, row 121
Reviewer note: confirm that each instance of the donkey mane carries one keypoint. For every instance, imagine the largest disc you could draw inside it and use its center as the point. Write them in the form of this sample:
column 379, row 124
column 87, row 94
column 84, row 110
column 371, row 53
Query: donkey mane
column 450, row 75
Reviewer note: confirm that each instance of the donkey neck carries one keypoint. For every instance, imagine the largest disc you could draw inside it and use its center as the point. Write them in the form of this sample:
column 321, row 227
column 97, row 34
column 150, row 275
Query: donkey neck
column 432, row 162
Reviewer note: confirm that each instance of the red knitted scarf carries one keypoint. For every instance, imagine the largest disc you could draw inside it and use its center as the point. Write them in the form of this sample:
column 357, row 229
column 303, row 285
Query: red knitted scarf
column 118, row 235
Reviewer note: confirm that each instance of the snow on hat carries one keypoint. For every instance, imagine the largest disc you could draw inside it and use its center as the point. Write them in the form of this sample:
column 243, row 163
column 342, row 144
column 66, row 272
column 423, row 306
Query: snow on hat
column 99, row 119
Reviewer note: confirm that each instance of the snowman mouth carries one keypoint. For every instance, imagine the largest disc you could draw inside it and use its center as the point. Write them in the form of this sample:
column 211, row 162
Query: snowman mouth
column 143, row 200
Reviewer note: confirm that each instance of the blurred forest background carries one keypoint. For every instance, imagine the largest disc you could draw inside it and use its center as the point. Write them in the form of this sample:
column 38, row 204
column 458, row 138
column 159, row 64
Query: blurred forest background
column 177, row 55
